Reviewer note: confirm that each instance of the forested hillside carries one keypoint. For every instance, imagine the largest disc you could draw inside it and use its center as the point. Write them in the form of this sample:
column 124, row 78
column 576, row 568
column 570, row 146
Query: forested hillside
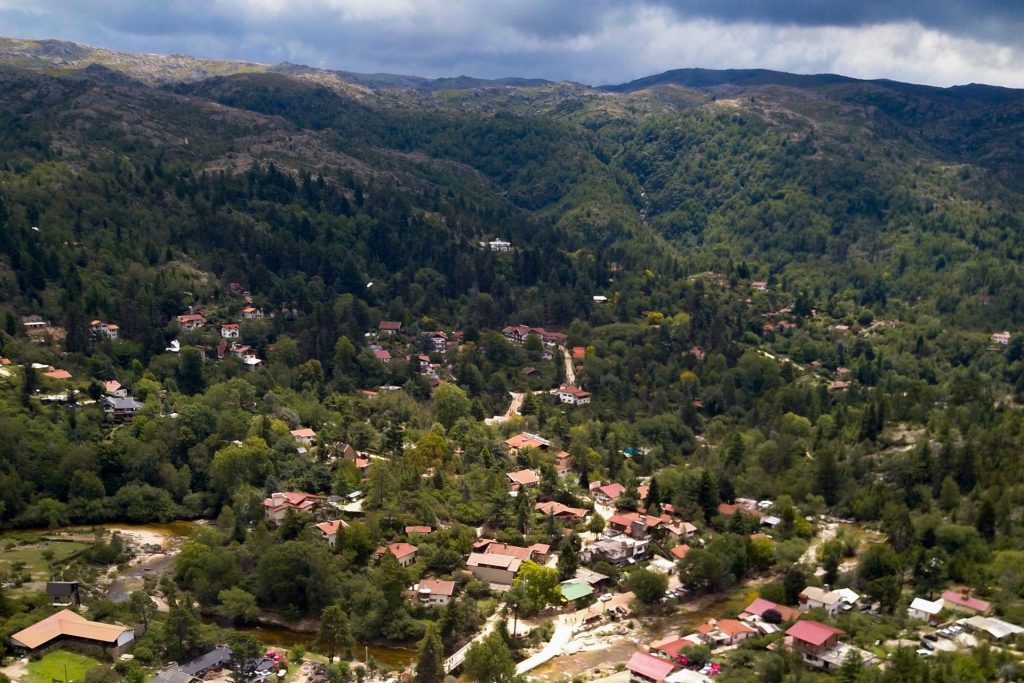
column 772, row 286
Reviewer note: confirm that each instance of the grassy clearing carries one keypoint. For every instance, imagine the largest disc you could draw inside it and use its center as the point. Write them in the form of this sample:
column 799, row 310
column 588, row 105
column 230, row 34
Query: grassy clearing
column 54, row 664
column 32, row 555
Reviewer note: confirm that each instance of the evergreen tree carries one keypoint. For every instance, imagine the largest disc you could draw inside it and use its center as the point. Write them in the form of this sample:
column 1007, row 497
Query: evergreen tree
column 569, row 558
column 430, row 663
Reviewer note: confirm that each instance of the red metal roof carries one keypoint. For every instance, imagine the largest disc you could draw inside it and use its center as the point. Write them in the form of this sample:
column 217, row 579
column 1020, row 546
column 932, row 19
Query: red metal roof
column 649, row 666
column 812, row 632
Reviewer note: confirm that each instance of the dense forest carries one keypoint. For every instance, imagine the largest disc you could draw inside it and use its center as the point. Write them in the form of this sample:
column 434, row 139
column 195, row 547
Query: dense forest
column 797, row 287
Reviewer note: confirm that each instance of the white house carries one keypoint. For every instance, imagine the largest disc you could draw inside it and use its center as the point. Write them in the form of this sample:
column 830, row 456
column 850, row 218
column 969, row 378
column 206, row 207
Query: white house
column 1001, row 338
column 925, row 610
column 329, row 530
column 573, row 395
column 229, row 331
column 499, row 244
column 433, row 592
column 813, row 597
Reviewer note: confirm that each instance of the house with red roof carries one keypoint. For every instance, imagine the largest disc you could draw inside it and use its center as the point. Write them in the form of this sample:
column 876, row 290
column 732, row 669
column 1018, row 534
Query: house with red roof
column 383, row 355
column 961, row 601
column 819, row 644
column 645, row 668
column 305, row 435
column 553, row 508
column 230, row 331
column 579, row 353
column 678, row 552
column 634, row 524
column 432, row 592
column 527, row 440
column 759, row 606
column 609, row 493
column 329, row 530
column 280, row 502
column 191, row 321
column 421, row 529
column 724, row 632
column 391, row 327
column 573, row 395
column 405, row 553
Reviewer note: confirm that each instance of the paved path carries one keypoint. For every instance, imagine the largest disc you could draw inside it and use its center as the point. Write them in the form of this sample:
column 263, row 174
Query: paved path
column 513, row 409
column 570, row 368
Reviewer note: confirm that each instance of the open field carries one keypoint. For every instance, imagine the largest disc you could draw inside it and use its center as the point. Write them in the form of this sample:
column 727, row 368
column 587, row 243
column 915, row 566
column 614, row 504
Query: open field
column 54, row 664
column 31, row 555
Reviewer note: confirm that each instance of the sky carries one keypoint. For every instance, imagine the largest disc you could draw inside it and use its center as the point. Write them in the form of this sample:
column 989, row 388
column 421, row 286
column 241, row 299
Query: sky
column 938, row 42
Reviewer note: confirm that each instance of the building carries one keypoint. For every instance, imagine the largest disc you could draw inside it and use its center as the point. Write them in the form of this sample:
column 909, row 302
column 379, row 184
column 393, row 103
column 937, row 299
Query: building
column 120, row 408
column 634, row 524
column 820, row 647
column 71, row 631
column 557, row 510
column 104, row 330
column 383, row 355
column 609, row 493
column 997, row 629
column 432, row 592
column 925, row 610
column 491, row 568
column 390, row 327
column 527, row 440
column 724, row 632
column 280, row 502
column 421, row 529
column 677, row 531
column 329, row 530
column 1002, row 338
column 813, row 597
column 191, row 321
column 618, row 550
column 518, row 334
column 678, row 552
column 961, row 601
column 438, row 341
column 405, row 553
column 573, row 395
column 498, row 244
column 523, row 479
column 573, row 590
column 759, row 286
column 305, row 436
column 645, row 668
column 759, row 606
column 114, row 388
column 230, row 331
column 63, row 593
column 252, row 313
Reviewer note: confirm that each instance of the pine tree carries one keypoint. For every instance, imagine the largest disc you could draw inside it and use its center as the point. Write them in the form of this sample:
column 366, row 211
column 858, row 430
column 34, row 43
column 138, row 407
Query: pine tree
column 569, row 558
column 430, row 664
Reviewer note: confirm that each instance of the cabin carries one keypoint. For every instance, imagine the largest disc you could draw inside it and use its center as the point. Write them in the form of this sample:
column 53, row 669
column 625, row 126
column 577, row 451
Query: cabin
column 926, row 610
column 63, row 593
column 523, row 479
column 813, row 597
column 191, row 321
column 389, row 327
column 252, row 313
column 559, row 511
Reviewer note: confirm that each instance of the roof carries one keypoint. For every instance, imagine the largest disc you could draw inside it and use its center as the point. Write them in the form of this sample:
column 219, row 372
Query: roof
column 173, row 675
column 392, row 325
column 732, row 627
column 215, row 657
column 554, row 508
column 813, row 632
column 579, row 352
column 576, row 590
column 229, row 326
column 112, row 385
column 67, row 623
column 649, row 666
column 382, row 354
column 330, row 528
column 671, row 647
column 820, row 595
column 976, row 604
column 437, row 586
column 399, row 550
column 494, row 560
column 927, row 606
column 304, row 433
column 626, row 519
column 524, row 477
column 57, row 373
column 526, row 440
column 679, row 551
column 997, row 628
column 116, row 403
column 294, row 499
column 59, row 588
column 759, row 606
column 510, row 550
column 573, row 390
column 418, row 529
column 613, row 490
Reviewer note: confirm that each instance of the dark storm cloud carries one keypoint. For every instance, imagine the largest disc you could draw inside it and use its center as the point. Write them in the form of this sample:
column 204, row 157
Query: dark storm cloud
column 593, row 41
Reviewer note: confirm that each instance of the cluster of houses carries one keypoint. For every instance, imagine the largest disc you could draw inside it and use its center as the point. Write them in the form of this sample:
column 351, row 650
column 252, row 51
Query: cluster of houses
column 230, row 333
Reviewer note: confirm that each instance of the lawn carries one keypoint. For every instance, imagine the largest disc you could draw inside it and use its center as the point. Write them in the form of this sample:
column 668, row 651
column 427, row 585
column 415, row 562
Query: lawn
column 53, row 665
column 32, row 555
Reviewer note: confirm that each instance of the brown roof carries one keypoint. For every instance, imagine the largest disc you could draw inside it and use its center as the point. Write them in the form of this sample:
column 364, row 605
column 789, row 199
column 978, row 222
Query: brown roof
column 437, row 586
column 509, row 550
column 67, row 623
column 523, row 477
column 399, row 550
column 330, row 528
column 418, row 529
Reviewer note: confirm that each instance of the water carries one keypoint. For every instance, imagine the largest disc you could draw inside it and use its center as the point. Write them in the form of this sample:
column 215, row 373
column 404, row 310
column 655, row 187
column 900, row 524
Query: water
column 279, row 636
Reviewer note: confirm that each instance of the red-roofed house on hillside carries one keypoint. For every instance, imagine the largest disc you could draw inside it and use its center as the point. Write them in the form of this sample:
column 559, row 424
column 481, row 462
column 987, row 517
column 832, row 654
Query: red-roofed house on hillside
column 329, row 530
column 191, row 321
column 405, row 553
column 759, row 606
column 553, row 508
column 305, row 435
column 230, row 331
column 383, row 355
column 432, row 592
column 527, row 440
column 724, row 632
column 609, row 493
column 678, row 552
column 730, row 509
column 961, row 601
column 1002, row 338
column 817, row 642
column 280, row 502
column 389, row 327
column 523, row 479
column 634, row 524
column 579, row 353
column 421, row 529
column 252, row 313
column 573, row 395
column 645, row 668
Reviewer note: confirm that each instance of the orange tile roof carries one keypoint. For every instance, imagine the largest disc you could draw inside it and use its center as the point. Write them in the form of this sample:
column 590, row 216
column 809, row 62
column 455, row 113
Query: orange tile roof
column 67, row 623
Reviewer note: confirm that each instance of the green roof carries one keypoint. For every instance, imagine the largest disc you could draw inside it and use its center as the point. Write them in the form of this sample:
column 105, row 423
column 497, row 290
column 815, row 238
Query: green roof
column 575, row 591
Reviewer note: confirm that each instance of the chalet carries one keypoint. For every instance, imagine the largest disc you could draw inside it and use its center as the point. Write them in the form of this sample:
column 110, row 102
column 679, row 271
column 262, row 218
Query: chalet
column 305, row 436
column 191, row 321
column 563, row 463
column 391, row 327
column 813, row 597
column 280, row 502
column 573, row 395
column 961, row 601
column 820, row 647
column 839, row 385
column 432, row 592
column 557, row 510
column 527, row 440
column 645, row 668
column 523, row 479
column 634, row 524
column 344, row 451
column 425, row 368
column 120, row 408
column 114, row 388
column 438, row 341
column 230, row 331
column 518, row 334
column 405, row 553
column 104, row 330
column 609, row 493
column 252, row 313
column 329, row 530
column 1002, row 338
column 494, row 569
column 926, row 610
column 383, row 355
column 69, row 630
column 241, row 351
column 63, row 593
